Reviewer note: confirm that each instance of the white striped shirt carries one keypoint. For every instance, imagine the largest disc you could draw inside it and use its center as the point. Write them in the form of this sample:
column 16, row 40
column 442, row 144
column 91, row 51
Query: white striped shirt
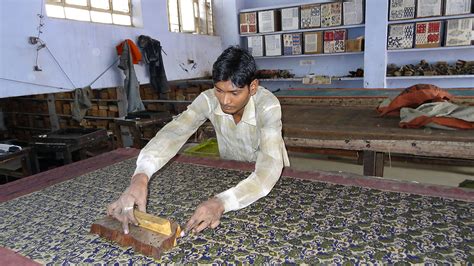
column 256, row 138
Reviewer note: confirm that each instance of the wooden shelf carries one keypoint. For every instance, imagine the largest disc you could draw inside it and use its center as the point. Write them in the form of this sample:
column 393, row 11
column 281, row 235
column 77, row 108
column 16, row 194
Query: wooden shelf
column 25, row 113
column 305, row 30
column 301, row 79
column 92, row 100
column 307, row 55
column 32, row 128
column 91, row 117
column 431, row 77
column 280, row 6
column 443, row 48
column 166, row 101
column 430, row 19
column 29, row 99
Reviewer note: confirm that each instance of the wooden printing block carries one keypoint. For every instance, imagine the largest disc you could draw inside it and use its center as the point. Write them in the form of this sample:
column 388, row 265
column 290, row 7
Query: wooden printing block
column 142, row 240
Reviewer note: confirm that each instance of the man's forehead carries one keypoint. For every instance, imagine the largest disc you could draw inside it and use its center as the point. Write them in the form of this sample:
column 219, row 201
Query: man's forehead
column 227, row 86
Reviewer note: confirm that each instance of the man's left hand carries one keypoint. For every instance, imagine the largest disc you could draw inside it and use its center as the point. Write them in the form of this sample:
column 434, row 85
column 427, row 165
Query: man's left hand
column 207, row 214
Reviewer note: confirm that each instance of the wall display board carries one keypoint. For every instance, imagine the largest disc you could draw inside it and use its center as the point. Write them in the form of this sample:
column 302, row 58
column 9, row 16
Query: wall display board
column 290, row 18
column 457, row 7
column 255, row 45
column 428, row 34
column 400, row 36
column 428, row 8
column 459, row 32
column 401, row 9
column 353, row 11
column 335, row 41
column 269, row 21
column 273, row 45
column 292, row 43
column 331, row 14
column 248, row 23
column 313, row 42
column 311, row 16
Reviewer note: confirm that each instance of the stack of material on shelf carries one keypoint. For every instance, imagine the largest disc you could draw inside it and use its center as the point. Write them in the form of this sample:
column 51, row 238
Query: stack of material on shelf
column 441, row 68
column 358, row 73
column 273, row 74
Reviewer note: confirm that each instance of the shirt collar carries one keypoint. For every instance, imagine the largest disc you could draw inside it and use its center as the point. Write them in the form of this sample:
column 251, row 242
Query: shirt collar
column 249, row 112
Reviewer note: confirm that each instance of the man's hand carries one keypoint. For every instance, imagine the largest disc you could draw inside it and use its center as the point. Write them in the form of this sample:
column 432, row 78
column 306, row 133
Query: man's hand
column 207, row 214
column 135, row 194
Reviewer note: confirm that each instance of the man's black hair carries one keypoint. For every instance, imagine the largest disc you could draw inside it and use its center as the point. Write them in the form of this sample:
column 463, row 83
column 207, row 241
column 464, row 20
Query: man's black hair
column 234, row 64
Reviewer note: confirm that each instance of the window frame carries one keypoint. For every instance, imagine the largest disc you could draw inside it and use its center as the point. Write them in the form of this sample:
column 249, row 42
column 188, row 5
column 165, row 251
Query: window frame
column 63, row 4
column 199, row 28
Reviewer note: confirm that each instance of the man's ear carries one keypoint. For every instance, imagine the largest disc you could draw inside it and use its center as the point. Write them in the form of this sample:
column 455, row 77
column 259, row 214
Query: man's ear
column 254, row 87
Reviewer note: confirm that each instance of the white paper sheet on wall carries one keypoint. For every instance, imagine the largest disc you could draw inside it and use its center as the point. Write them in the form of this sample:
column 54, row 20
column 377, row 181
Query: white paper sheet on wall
column 457, row 7
column 353, row 12
column 266, row 21
column 290, row 18
column 459, row 32
column 272, row 45
column 402, row 9
column 255, row 45
column 428, row 8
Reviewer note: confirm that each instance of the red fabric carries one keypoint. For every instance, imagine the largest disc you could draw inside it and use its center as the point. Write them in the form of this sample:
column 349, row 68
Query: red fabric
column 444, row 121
column 136, row 55
column 413, row 97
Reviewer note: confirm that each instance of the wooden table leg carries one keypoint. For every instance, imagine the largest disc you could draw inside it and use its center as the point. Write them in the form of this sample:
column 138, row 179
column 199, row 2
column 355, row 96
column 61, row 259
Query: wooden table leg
column 373, row 163
column 118, row 134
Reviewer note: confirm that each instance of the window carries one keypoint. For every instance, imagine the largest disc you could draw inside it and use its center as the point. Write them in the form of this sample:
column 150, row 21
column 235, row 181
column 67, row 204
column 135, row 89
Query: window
column 102, row 11
column 191, row 16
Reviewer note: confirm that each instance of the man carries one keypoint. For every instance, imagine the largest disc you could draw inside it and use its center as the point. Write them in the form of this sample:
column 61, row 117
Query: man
column 247, row 121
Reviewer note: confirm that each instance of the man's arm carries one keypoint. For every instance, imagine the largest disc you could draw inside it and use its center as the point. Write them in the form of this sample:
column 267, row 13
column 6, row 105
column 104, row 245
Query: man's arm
column 172, row 137
column 270, row 161
column 157, row 153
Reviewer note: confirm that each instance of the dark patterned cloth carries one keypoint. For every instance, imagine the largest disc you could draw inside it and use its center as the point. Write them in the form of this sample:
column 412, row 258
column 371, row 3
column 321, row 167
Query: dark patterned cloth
column 300, row 221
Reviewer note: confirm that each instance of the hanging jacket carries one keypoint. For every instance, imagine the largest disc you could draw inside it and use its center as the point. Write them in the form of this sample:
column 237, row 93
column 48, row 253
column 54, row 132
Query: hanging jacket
column 81, row 103
column 131, row 84
column 152, row 55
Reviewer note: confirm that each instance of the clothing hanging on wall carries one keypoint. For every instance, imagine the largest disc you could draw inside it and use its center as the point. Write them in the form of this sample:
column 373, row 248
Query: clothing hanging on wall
column 81, row 103
column 129, row 54
column 152, row 54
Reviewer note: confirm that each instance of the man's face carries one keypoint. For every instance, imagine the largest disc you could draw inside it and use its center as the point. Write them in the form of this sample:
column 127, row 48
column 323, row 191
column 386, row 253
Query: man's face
column 233, row 99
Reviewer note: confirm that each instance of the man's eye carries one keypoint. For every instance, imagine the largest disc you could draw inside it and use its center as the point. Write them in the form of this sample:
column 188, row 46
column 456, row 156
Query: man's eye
column 235, row 93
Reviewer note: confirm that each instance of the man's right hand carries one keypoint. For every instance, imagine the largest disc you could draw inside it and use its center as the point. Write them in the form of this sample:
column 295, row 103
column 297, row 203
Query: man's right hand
column 135, row 194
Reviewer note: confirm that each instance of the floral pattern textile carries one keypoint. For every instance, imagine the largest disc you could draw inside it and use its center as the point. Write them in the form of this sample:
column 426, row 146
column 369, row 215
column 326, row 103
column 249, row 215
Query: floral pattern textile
column 300, row 221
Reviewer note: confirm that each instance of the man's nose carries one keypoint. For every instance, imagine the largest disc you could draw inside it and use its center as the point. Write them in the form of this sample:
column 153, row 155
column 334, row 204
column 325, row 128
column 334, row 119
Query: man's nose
column 227, row 99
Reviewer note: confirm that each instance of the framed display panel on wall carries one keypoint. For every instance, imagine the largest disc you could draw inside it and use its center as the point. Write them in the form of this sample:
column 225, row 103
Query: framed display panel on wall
column 428, row 8
column 311, row 16
column 459, row 32
column 400, row 36
column 313, row 42
column 335, row 41
column 292, row 44
column 353, row 11
column 457, row 7
column 331, row 14
column 248, row 23
column 273, row 45
column 290, row 18
column 401, row 9
column 428, row 34
column 255, row 45
column 269, row 21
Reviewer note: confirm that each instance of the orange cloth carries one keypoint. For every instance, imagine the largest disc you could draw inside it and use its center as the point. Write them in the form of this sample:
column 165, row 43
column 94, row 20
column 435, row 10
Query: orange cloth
column 413, row 97
column 136, row 55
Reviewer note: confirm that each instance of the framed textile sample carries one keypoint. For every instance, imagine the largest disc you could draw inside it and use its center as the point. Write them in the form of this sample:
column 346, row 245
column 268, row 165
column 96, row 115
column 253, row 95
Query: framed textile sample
column 428, row 34
column 335, row 41
column 248, row 23
column 273, row 45
column 269, row 21
column 401, row 9
column 292, row 43
column 290, row 18
column 400, row 36
column 457, row 7
column 459, row 32
column 313, row 42
column 428, row 8
column 353, row 11
column 331, row 14
column 311, row 16
column 255, row 45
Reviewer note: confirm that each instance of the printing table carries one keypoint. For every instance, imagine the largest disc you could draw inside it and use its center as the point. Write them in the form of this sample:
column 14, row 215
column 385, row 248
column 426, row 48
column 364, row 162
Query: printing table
column 308, row 217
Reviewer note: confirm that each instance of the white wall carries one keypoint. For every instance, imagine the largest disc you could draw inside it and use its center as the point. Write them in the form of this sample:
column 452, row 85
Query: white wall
column 85, row 49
